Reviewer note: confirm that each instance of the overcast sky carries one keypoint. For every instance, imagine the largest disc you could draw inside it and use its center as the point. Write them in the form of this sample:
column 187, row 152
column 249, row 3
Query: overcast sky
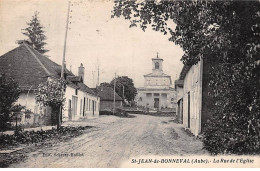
column 93, row 38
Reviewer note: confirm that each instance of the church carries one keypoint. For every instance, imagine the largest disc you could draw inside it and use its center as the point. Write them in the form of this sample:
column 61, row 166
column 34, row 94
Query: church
column 157, row 93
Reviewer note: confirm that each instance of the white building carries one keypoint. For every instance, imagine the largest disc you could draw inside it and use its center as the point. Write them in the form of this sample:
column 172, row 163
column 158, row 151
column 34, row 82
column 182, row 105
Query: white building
column 157, row 92
column 30, row 68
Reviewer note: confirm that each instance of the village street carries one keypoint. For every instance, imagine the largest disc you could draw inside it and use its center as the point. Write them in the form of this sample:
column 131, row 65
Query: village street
column 114, row 140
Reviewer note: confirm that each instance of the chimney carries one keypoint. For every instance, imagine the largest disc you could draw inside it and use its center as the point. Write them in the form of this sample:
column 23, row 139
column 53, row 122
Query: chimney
column 81, row 72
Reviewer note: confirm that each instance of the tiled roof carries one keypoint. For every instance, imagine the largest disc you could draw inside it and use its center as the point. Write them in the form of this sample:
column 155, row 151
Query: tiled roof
column 30, row 68
column 184, row 71
column 107, row 94
column 86, row 89
column 23, row 67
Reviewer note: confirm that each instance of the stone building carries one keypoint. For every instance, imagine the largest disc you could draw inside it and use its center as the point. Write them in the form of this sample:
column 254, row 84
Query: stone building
column 157, row 92
column 193, row 96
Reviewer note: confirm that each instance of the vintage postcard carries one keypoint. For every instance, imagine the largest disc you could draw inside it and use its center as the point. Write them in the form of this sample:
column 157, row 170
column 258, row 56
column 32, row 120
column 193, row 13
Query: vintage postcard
column 129, row 84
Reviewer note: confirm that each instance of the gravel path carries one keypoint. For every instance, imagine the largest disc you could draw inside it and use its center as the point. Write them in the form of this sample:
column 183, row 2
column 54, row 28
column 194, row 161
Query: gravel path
column 115, row 140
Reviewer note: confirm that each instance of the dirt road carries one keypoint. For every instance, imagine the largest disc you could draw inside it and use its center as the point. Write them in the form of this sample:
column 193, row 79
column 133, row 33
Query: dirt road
column 115, row 140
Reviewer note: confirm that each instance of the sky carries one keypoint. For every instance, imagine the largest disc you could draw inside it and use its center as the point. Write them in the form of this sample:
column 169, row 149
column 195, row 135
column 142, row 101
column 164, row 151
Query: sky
column 94, row 39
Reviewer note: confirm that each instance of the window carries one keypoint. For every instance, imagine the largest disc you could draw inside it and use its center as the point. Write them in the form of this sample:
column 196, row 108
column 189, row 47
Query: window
column 172, row 100
column 156, row 65
column 140, row 99
column 76, row 91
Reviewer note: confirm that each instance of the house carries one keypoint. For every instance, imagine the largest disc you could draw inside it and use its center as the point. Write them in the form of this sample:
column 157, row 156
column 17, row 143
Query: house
column 106, row 95
column 193, row 100
column 157, row 92
column 30, row 68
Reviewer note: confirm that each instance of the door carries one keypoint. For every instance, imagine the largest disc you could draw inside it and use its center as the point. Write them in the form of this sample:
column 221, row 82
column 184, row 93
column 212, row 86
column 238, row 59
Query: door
column 93, row 107
column 188, row 109
column 84, row 106
column 156, row 102
column 74, row 106
column 69, row 111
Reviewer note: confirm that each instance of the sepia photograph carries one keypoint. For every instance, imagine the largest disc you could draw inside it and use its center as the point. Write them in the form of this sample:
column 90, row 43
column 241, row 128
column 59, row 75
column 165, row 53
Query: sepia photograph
column 129, row 83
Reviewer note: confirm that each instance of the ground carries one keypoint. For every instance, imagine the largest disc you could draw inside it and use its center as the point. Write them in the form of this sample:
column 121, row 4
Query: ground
column 113, row 141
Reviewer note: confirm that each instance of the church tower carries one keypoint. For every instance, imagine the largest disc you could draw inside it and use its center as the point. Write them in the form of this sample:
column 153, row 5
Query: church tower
column 157, row 65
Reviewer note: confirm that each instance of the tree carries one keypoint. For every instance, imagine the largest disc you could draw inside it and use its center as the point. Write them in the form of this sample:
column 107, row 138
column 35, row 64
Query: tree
column 105, row 84
column 221, row 32
column 10, row 91
column 51, row 94
column 35, row 34
column 125, row 88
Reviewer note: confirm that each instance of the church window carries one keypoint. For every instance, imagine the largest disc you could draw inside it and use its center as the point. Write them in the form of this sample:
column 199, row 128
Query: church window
column 156, row 65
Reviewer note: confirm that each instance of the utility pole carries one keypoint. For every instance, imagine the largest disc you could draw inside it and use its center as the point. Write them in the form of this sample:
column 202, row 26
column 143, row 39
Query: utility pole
column 65, row 43
column 114, row 95
column 123, row 91
column 98, row 74
column 93, row 75
column 63, row 63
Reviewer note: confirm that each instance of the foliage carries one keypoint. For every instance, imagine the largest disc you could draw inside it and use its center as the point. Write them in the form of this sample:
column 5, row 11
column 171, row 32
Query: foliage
column 225, row 34
column 35, row 34
column 27, row 137
column 51, row 94
column 125, row 88
column 105, row 84
column 10, row 91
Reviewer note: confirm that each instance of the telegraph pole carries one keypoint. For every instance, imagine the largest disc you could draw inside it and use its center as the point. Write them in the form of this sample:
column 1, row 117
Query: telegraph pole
column 114, row 95
column 65, row 43
column 63, row 63
column 98, row 74
column 123, row 91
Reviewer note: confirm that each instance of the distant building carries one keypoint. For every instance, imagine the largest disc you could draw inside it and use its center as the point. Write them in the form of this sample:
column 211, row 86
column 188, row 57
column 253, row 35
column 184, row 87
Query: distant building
column 106, row 95
column 193, row 100
column 157, row 92
column 30, row 68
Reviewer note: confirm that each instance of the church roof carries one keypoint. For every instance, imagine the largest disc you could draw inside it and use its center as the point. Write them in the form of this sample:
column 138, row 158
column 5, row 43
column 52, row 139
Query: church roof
column 155, row 89
column 156, row 75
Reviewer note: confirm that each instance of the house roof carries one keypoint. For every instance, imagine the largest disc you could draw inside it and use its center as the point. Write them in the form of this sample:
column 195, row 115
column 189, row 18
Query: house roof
column 184, row 71
column 26, row 69
column 30, row 68
column 107, row 94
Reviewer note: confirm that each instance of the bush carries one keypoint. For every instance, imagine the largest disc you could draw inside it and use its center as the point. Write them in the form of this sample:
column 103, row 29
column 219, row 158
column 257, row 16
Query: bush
column 29, row 137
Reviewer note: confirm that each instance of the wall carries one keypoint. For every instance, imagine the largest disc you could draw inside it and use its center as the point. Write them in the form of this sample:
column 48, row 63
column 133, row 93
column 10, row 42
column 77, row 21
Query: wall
column 193, row 86
column 40, row 115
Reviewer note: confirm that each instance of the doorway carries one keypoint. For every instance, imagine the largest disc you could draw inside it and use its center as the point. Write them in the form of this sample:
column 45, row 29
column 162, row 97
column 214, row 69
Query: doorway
column 93, row 106
column 69, row 110
column 156, row 102
column 74, row 106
